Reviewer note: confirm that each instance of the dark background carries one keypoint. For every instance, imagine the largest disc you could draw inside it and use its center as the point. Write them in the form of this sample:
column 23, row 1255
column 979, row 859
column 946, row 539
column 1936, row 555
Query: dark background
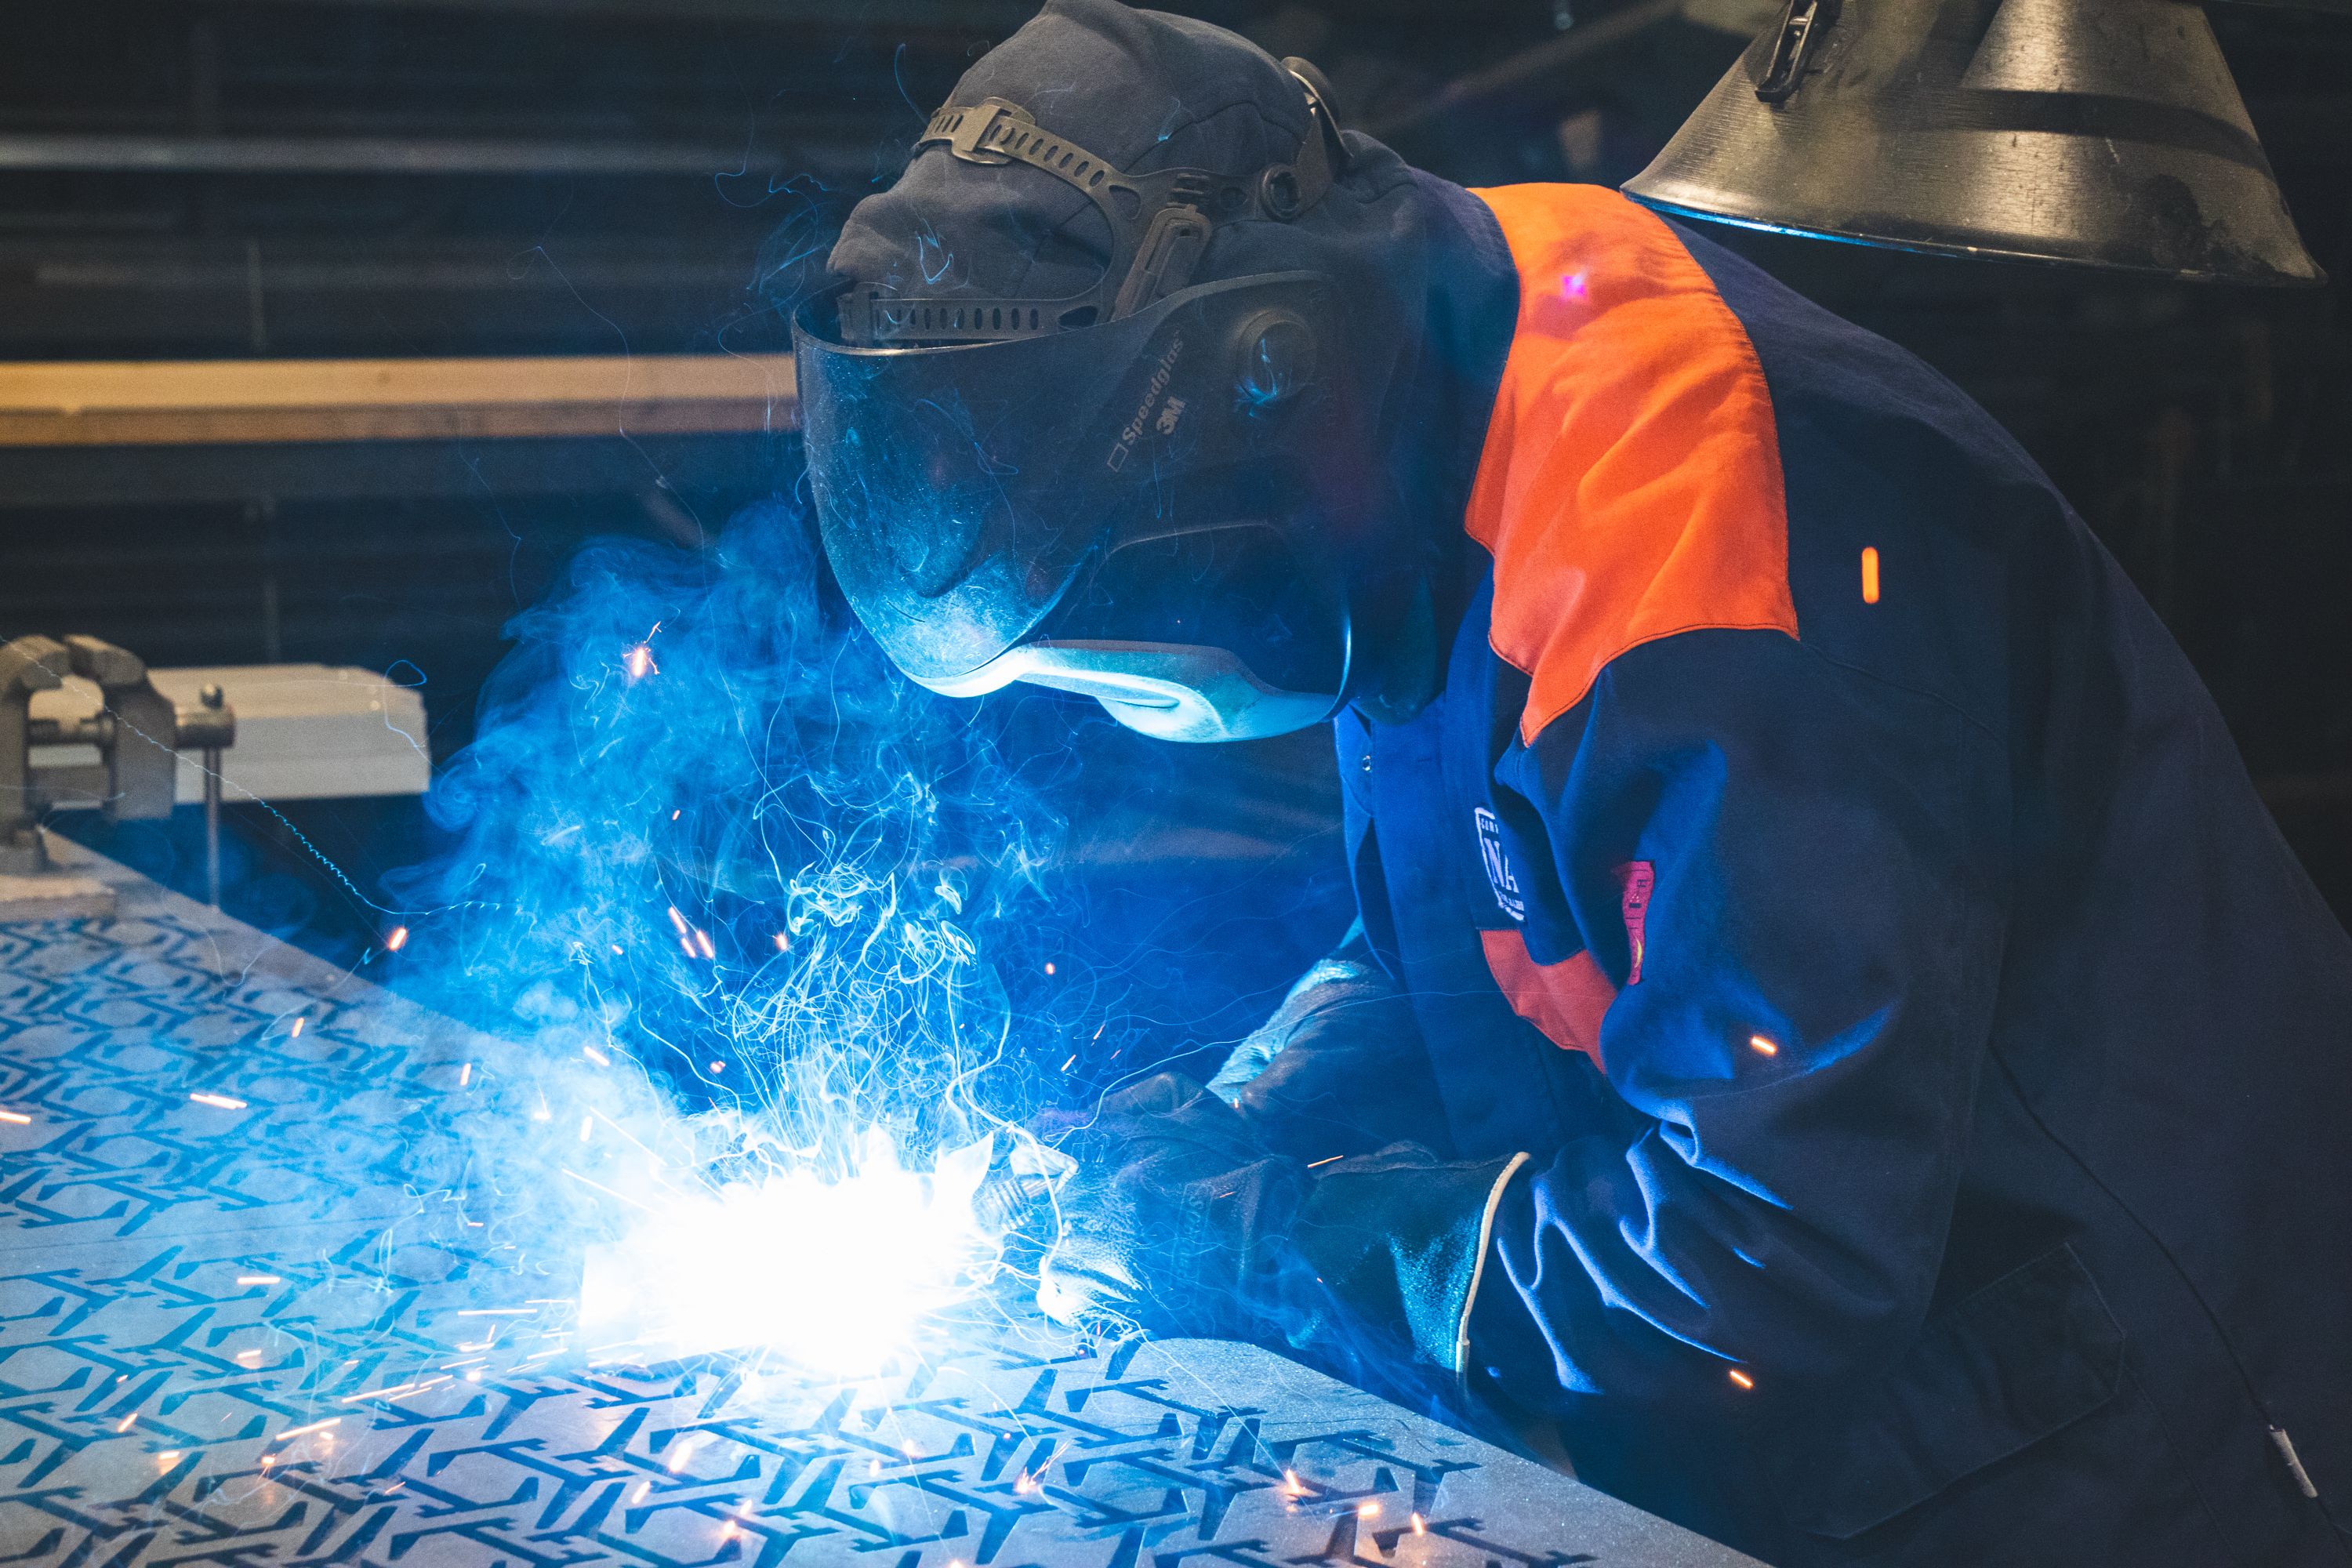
column 406, row 177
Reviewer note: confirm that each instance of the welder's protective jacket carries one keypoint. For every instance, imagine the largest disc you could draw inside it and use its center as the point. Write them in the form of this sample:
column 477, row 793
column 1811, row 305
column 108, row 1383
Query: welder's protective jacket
column 1933, row 1066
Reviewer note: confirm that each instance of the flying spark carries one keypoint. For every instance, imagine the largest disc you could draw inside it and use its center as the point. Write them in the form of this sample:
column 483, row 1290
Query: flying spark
column 397, row 1392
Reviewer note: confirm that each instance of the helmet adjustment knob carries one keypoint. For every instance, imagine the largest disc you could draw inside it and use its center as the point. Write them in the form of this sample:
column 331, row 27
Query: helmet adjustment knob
column 1278, row 192
column 1277, row 357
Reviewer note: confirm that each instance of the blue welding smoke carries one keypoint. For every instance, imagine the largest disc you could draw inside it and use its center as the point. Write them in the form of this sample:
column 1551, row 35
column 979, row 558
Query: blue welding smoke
column 707, row 829
column 793, row 947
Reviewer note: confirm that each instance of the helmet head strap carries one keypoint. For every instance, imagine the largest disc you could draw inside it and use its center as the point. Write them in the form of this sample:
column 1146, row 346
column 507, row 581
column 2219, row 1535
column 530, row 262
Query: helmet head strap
column 1160, row 222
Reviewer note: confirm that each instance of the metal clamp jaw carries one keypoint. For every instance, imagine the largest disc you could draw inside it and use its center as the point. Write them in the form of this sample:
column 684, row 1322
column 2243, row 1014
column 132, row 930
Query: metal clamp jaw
column 138, row 732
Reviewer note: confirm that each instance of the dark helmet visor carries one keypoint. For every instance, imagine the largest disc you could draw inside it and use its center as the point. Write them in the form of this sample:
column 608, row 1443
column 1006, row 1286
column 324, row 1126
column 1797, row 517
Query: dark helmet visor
column 960, row 489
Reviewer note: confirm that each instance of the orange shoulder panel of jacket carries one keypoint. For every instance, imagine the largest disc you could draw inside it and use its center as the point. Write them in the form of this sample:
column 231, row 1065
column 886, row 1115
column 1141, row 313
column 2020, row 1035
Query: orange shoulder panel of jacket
column 1629, row 486
column 1565, row 1000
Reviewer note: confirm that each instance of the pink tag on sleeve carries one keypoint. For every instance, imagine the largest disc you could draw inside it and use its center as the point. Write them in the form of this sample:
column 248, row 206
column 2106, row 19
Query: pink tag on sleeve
column 1634, row 880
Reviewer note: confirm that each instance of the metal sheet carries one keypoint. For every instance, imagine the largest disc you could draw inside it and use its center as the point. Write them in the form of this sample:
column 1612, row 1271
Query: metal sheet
column 258, row 1327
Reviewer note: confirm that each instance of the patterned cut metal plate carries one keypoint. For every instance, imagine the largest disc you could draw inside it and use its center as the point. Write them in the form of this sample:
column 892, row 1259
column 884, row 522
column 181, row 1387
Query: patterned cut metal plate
column 256, row 1310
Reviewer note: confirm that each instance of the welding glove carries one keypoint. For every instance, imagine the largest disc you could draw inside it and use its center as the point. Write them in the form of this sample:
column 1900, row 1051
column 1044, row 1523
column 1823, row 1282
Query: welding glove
column 1172, row 1218
column 1389, row 1249
column 1176, row 1221
column 1339, row 1069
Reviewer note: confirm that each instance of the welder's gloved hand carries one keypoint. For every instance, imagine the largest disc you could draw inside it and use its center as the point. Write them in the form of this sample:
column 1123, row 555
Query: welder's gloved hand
column 1387, row 1249
column 1339, row 1069
column 1173, row 1220
column 1178, row 1222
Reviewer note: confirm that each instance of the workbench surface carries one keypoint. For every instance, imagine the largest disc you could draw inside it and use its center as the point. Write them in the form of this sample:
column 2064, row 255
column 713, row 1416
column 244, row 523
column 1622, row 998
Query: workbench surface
column 262, row 1327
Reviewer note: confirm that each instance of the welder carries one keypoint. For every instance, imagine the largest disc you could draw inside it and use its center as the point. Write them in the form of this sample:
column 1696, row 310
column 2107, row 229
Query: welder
column 1832, row 1041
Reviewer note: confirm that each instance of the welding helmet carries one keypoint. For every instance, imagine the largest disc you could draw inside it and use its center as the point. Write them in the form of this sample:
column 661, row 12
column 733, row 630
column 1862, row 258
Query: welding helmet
column 1155, row 492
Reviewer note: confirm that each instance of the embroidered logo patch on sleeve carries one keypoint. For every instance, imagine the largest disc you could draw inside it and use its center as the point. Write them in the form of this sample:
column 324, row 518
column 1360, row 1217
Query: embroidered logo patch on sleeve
column 1499, row 866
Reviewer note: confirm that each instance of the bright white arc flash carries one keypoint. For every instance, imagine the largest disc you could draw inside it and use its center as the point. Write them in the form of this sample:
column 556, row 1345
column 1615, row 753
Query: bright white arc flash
column 837, row 1275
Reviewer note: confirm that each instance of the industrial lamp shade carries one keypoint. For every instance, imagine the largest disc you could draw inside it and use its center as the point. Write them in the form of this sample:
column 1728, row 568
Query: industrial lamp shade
column 2098, row 133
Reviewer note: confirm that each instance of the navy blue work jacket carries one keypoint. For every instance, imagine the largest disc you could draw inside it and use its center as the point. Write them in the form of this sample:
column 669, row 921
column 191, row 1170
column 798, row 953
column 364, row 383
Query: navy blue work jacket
column 1934, row 1065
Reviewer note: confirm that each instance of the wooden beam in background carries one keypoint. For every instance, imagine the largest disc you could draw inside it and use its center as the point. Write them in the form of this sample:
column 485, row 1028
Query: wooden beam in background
column 208, row 403
column 118, row 152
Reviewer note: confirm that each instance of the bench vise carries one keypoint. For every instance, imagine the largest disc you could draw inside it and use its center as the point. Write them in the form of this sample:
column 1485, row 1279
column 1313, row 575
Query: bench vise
column 137, row 733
